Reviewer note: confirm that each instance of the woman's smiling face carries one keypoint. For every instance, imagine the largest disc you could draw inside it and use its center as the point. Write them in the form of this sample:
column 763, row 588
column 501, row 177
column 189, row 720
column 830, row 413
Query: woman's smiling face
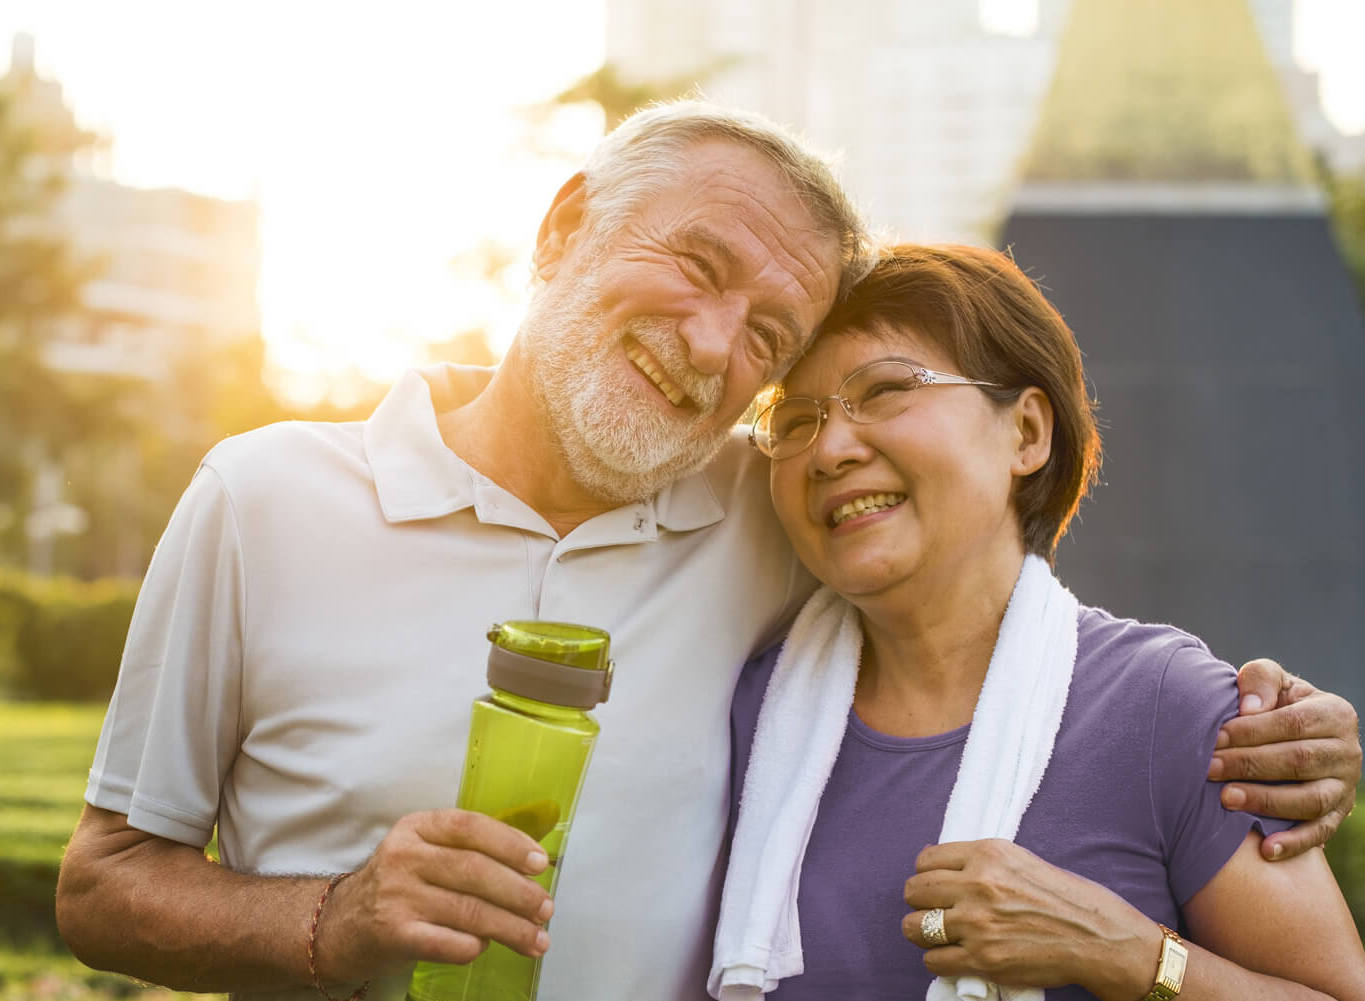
column 924, row 496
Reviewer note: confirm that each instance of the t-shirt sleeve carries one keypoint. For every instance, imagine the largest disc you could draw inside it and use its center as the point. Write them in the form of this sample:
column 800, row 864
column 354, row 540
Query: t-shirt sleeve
column 171, row 730
column 1198, row 695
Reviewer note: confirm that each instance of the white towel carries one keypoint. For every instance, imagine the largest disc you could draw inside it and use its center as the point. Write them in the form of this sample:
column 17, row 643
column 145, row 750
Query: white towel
column 758, row 938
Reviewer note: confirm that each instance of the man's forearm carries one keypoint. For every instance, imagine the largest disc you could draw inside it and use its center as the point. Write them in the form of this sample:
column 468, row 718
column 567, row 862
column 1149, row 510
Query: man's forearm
column 440, row 886
column 162, row 912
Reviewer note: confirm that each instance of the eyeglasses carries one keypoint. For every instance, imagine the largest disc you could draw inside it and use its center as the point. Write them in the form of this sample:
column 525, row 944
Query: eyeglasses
column 876, row 392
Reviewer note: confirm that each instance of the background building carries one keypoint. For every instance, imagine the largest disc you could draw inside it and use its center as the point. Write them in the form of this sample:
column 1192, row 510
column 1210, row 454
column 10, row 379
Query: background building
column 1177, row 227
column 173, row 271
column 123, row 291
column 930, row 109
column 177, row 273
column 1275, row 18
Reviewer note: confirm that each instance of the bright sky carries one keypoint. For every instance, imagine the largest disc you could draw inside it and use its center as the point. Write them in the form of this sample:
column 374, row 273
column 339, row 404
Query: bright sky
column 382, row 142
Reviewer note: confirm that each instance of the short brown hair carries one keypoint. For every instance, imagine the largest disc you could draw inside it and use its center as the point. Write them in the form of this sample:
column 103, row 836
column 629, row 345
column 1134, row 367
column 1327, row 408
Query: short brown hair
column 995, row 324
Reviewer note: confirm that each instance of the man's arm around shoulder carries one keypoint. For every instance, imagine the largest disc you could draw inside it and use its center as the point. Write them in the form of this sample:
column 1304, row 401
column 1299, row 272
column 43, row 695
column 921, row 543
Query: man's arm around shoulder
column 1289, row 732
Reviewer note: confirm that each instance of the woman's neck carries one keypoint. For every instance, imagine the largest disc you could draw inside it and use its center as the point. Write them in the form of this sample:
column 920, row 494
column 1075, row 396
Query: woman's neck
column 928, row 644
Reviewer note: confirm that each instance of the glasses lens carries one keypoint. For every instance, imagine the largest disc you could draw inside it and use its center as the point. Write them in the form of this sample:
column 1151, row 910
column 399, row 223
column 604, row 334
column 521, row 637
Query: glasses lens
column 787, row 427
column 881, row 391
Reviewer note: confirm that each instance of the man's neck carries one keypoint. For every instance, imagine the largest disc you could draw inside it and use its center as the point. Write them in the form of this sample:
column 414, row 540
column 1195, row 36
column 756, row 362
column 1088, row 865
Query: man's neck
column 504, row 435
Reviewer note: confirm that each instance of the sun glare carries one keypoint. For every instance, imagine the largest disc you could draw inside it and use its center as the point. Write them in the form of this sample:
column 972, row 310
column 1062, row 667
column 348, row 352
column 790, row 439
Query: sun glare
column 1328, row 36
column 380, row 146
column 1010, row 17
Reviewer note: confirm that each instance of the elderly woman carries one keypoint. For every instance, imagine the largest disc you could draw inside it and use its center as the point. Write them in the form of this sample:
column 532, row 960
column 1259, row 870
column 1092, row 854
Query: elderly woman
column 956, row 716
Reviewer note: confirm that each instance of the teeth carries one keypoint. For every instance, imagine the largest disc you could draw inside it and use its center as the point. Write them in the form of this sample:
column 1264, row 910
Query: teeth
column 643, row 362
column 864, row 505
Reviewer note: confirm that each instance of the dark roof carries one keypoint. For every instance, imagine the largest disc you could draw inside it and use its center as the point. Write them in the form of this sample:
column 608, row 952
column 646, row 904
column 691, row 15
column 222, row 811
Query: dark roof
column 1228, row 355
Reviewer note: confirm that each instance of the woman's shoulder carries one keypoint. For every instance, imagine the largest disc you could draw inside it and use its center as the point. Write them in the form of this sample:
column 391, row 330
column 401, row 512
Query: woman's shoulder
column 1152, row 671
column 1140, row 649
column 752, row 684
column 1103, row 631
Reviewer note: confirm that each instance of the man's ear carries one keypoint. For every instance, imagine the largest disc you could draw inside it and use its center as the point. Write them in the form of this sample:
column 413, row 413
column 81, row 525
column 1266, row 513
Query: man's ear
column 559, row 226
column 1033, row 418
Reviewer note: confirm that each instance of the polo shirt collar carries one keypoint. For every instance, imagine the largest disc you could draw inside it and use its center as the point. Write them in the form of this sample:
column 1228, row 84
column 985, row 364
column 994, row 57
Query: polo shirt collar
column 418, row 477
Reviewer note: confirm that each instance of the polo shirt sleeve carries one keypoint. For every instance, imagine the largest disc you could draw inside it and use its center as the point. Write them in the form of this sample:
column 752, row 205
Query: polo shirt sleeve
column 1198, row 695
column 171, row 730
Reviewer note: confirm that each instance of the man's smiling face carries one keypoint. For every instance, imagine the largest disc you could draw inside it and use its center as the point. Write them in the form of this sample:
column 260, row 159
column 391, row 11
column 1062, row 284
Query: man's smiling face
column 648, row 343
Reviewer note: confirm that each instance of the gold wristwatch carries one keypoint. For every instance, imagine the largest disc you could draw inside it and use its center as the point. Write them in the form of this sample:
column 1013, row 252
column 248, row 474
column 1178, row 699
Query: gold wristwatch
column 1170, row 969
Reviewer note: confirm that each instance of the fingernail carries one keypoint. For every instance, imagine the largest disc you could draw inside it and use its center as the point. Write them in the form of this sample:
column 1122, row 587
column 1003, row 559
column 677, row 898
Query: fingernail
column 1216, row 768
column 542, row 941
column 1223, row 740
column 547, row 910
column 1276, row 850
column 536, row 861
column 1251, row 703
column 1234, row 798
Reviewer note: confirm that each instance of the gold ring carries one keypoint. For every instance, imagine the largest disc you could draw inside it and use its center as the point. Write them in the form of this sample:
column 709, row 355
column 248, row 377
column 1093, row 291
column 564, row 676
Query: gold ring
column 931, row 927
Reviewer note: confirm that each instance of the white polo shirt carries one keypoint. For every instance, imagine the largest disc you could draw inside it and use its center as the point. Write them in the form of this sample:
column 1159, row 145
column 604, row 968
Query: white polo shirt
column 310, row 636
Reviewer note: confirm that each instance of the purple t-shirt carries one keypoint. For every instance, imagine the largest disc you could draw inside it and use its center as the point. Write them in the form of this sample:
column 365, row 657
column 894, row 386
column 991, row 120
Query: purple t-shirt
column 1124, row 802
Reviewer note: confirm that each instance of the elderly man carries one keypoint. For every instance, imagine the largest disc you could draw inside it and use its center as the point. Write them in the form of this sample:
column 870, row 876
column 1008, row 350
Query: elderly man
column 310, row 634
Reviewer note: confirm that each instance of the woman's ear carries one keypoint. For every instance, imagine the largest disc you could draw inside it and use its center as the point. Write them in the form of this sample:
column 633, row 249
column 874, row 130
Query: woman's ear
column 558, row 227
column 1032, row 413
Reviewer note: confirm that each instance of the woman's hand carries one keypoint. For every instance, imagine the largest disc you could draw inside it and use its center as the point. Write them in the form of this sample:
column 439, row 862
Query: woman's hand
column 1014, row 919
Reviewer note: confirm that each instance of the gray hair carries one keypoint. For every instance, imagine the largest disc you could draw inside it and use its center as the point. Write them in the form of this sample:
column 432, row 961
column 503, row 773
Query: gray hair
column 648, row 150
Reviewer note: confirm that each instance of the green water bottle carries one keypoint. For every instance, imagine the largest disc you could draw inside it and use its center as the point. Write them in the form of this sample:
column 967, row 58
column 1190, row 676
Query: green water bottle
column 529, row 743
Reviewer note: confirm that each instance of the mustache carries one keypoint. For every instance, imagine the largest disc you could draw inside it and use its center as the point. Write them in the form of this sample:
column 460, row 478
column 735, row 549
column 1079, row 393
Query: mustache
column 660, row 338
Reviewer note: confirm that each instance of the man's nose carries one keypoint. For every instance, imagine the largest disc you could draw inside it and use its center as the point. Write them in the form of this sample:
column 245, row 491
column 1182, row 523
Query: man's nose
column 712, row 331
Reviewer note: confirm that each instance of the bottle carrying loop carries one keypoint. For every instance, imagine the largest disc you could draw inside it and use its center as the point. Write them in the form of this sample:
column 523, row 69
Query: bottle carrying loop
column 546, row 681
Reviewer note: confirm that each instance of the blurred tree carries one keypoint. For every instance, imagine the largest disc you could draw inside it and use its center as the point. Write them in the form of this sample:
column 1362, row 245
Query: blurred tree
column 619, row 97
column 42, row 411
column 130, row 486
column 92, row 463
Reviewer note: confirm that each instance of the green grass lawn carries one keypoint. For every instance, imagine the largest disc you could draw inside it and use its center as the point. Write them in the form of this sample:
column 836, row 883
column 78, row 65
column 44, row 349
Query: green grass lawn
column 47, row 749
column 45, row 752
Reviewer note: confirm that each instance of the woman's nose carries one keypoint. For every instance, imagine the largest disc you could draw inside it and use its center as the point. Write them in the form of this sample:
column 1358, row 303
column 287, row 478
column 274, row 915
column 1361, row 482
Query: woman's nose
column 839, row 444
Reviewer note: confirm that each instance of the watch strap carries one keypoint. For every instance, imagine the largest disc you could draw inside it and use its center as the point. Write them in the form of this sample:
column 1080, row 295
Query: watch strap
column 1170, row 968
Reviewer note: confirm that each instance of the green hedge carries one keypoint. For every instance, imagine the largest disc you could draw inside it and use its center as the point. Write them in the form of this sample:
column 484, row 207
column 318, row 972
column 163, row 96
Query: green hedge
column 61, row 638
column 1346, row 853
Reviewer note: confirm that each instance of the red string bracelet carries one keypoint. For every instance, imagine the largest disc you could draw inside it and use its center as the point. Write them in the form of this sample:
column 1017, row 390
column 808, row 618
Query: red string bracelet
column 360, row 991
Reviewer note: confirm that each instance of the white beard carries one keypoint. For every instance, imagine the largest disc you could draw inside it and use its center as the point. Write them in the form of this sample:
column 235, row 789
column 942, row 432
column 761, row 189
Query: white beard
column 616, row 445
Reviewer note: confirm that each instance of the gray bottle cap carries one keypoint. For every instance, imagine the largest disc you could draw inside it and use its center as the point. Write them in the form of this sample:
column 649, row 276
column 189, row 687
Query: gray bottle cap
column 546, row 681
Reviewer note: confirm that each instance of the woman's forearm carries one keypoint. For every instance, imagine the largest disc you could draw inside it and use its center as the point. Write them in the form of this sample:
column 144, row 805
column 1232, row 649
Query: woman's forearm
column 1286, row 921
column 1015, row 919
column 1210, row 977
